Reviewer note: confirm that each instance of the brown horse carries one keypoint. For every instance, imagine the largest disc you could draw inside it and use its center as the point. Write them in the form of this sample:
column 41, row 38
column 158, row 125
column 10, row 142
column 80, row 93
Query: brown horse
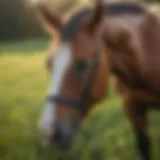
column 120, row 38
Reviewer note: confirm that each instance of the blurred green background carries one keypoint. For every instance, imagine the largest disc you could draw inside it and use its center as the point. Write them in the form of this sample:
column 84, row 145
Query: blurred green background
column 23, row 83
column 18, row 20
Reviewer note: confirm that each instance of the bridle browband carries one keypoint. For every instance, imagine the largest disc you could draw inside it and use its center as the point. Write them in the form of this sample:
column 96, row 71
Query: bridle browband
column 83, row 101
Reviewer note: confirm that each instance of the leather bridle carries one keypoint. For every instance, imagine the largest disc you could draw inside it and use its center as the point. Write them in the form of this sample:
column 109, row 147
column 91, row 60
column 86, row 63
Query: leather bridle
column 83, row 101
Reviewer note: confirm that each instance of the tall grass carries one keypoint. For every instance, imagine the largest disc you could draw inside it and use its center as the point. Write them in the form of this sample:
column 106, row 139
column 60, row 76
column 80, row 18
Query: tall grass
column 23, row 84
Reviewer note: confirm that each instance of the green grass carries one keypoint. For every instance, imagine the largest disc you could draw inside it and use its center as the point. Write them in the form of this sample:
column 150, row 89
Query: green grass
column 23, row 84
column 24, row 47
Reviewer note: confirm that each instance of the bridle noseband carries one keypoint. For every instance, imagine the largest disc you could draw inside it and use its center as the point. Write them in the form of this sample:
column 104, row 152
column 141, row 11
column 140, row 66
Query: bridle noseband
column 84, row 98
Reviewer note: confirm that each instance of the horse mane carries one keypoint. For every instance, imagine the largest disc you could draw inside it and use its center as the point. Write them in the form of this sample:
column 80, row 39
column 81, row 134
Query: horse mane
column 71, row 28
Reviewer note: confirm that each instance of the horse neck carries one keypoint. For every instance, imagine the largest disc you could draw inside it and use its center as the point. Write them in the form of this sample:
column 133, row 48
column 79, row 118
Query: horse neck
column 122, row 46
column 135, row 54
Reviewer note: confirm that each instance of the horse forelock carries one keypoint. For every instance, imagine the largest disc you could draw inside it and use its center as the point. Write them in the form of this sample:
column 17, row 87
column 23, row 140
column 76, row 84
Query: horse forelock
column 71, row 28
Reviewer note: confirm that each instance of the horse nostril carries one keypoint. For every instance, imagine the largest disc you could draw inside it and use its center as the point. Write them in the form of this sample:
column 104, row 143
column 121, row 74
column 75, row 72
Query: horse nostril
column 57, row 136
column 61, row 137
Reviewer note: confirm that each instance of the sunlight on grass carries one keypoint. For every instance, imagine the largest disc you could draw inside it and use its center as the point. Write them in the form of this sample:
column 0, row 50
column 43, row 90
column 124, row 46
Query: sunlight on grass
column 23, row 84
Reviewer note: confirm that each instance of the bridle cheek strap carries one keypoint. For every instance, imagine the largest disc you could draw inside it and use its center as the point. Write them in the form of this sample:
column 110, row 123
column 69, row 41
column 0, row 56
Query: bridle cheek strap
column 81, row 103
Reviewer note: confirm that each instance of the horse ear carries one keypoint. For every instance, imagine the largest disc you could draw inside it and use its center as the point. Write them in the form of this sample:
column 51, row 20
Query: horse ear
column 52, row 20
column 96, row 16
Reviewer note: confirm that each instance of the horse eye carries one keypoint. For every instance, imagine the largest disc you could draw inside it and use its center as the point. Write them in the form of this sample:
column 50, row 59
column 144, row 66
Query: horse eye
column 81, row 66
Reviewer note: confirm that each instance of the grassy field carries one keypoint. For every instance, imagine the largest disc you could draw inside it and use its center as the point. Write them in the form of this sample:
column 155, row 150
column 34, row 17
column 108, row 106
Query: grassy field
column 23, row 84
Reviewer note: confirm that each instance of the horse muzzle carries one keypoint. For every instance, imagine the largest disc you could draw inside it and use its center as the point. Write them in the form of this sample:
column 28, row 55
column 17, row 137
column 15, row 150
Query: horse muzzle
column 63, row 135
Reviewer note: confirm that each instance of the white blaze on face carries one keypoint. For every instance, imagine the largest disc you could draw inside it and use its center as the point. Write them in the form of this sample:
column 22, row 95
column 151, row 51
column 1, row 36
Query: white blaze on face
column 60, row 65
